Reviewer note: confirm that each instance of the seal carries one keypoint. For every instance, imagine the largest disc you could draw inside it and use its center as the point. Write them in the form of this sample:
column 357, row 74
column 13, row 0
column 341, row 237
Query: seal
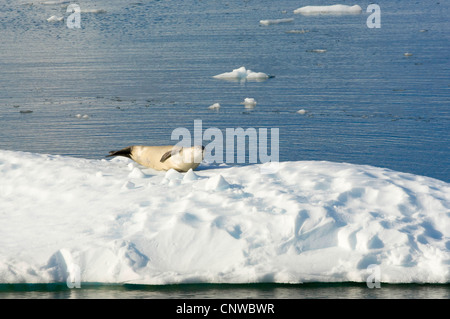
column 163, row 158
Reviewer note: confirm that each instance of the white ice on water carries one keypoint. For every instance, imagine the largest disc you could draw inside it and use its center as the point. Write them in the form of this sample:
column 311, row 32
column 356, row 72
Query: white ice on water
column 115, row 221
column 276, row 21
column 242, row 74
column 330, row 9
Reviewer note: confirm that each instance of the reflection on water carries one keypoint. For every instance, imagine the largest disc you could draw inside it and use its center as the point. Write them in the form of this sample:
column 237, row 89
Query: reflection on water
column 226, row 291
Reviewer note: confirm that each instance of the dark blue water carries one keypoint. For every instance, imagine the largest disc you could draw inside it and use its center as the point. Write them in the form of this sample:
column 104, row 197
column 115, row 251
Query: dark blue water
column 144, row 68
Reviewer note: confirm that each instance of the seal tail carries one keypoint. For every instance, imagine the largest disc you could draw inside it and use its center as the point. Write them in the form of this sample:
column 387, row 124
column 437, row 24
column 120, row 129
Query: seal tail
column 126, row 152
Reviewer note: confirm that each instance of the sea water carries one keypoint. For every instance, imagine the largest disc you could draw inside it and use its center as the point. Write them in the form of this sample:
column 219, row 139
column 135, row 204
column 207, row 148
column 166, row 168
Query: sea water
column 226, row 291
column 135, row 71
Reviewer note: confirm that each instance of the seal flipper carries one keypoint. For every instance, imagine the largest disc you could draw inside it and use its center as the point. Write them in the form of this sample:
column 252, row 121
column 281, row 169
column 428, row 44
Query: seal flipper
column 126, row 152
column 175, row 150
column 165, row 156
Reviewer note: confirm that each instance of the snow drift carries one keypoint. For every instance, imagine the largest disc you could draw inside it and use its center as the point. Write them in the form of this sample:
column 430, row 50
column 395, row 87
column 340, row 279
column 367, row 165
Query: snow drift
column 117, row 222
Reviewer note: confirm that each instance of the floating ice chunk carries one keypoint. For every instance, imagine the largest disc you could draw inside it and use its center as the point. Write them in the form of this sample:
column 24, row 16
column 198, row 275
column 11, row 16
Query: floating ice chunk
column 407, row 54
column 95, row 11
column 80, row 116
column 297, row 31
column 276, row 21
column 256, row 76
column 336, row 9
column 54, row 2
column 55, row 19
column 249, row 102
column 215, row 106
column 302, row 111
column 241, row 74
column 328, row 222
column 217, row 183
column 318, row 50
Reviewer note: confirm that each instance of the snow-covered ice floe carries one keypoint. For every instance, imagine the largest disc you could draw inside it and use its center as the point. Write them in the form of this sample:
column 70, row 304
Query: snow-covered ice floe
column 242, row 74
column 331, row 9
column 113, row 221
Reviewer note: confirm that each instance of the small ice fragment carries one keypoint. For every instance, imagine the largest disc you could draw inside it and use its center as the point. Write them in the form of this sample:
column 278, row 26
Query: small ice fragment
column 318, row 50
column 302, row 111
column 337, row 9
column 249, row 102
column 85, row 116
column 257, row 76
column 78, row 116
column 242, row 74
column 95, row 11
column 276, row 21
column 407, row 54
column 298, row 31
column 215, row 106
column 55, row 19
column 54, row 2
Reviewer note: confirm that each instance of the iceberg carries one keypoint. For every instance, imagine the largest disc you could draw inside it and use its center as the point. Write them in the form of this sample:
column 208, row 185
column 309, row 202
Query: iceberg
column 64, row 219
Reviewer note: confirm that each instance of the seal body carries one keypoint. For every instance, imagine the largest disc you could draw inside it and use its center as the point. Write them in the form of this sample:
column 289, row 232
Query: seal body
column 163, row 158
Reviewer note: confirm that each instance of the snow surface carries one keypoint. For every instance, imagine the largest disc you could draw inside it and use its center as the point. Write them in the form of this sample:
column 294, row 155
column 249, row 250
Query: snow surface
column 242, row 74
column 331, row 9
column 116, row 222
